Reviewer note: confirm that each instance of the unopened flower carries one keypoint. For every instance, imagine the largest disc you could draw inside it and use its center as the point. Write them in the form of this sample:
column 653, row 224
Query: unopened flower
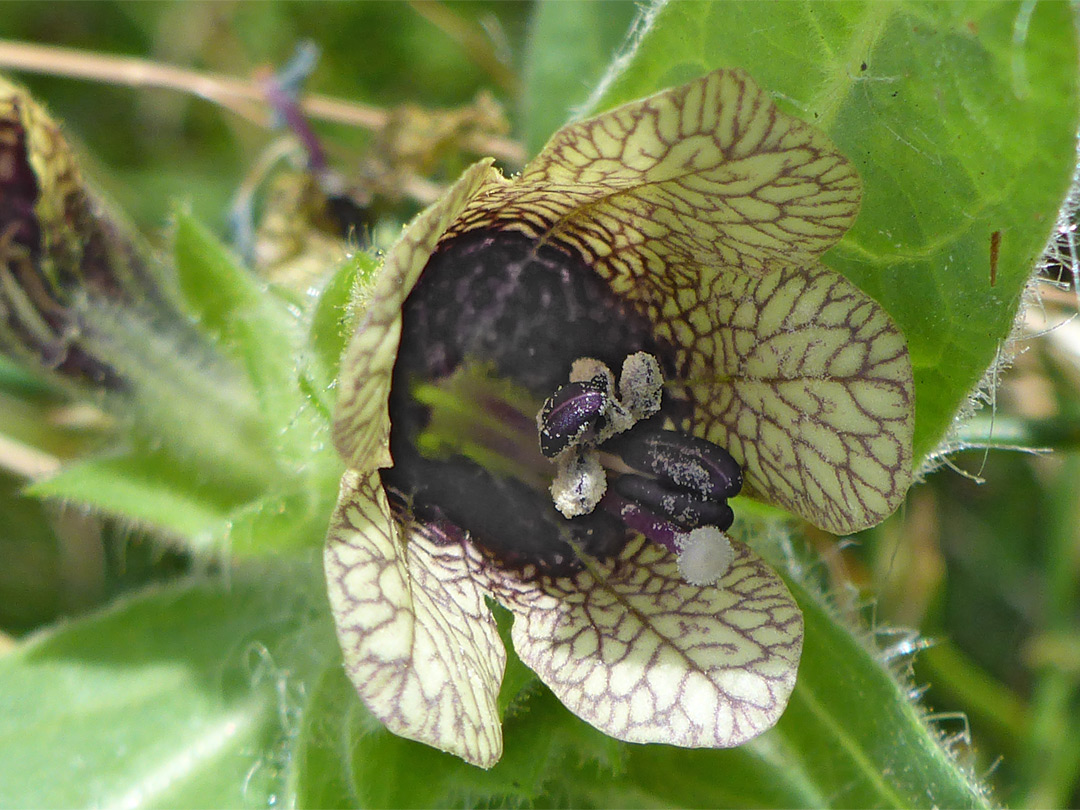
column 60, row 247
column 683, row 230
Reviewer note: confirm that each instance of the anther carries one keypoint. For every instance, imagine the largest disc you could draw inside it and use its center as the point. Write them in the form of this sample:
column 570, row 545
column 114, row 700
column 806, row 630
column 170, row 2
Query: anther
column 684, row 508
column 684, row 462
column 570, row 414
column 641, row 385
column 579, row 482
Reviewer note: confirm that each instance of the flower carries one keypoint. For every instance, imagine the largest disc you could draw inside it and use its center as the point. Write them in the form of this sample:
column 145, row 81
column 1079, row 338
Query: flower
column 686, row 226
column 62, row 252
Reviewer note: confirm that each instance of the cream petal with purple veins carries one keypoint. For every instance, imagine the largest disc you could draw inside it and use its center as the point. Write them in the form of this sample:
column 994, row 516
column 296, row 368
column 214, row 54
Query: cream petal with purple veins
column 420, row 644
column 807, row 383
column 362, row 421
column 645, row 657
column 708, row 173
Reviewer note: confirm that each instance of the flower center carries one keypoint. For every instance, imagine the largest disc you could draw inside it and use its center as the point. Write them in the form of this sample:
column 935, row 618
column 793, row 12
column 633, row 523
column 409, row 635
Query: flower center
column 670, row 487
column 492, row 328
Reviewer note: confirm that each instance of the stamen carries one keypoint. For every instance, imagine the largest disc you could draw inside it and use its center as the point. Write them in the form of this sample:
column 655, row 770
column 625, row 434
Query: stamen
column 686, row 509
column 704, row 554
column 641, row 385
column 684, row 462
column 640, row 519
column 579, row 483
column 681, row 500
column 570, row 415
column 586, row 411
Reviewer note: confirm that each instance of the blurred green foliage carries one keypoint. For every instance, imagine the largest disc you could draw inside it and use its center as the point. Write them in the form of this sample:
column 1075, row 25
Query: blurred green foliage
column 152, row 147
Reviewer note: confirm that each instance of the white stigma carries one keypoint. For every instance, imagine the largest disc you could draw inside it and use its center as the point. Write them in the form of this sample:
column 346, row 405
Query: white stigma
column 705, row 555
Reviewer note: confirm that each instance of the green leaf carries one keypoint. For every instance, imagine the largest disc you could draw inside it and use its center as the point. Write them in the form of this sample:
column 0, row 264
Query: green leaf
column 568, row 48
column 961, row 119
column 251, row 324
column 547, row 751
column 185, row 398
column 181, row 697
column 517, row 678
column 333, row 320
column 852, row 729
column 30, row 588
column 756, row 775
column 152, row 489
column 285, row 521
column 321, row 774
column 149, row 489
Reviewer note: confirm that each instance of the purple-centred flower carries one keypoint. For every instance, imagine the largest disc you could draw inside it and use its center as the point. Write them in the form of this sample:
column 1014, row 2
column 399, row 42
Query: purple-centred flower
column 557, row 384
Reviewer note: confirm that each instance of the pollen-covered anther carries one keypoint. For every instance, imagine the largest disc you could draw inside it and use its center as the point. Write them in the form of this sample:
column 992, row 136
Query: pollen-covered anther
column 580, row 482
column 571, row 415
column 684, row 508
column 683, row 462
column 587, row 411
column 705, row 555
column 589, row 369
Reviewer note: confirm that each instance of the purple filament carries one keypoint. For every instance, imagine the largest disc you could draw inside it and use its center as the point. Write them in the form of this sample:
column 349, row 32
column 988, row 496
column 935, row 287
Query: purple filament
column 639, row 519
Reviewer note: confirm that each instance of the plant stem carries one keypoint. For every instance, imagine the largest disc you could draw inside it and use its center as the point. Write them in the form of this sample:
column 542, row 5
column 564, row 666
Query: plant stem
column 245, row 98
